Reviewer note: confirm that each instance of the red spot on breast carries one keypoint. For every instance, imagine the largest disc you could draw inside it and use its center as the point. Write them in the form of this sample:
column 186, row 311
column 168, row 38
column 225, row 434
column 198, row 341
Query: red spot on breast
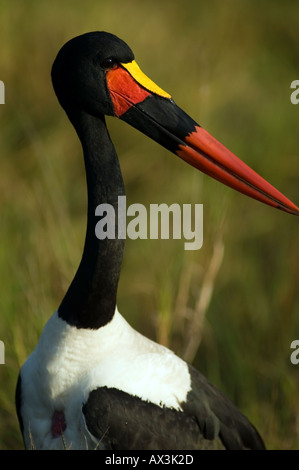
column 58, row 423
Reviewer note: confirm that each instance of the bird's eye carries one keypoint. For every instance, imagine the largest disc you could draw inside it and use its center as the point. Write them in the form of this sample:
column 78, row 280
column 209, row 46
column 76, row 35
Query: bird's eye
column 109, row 63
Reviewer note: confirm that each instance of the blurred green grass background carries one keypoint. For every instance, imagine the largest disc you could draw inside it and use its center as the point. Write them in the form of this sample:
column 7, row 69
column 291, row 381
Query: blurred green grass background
column 227, row 64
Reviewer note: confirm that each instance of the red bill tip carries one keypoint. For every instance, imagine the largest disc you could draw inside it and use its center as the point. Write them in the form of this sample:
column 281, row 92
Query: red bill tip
column 204, row 152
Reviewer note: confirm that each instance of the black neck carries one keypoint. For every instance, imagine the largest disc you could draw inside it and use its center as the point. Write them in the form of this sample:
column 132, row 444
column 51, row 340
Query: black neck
column 91, row 298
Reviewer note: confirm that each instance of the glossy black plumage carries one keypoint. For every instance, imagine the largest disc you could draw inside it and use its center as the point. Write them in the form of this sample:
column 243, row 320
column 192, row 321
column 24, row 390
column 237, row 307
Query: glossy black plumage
column 208, row 421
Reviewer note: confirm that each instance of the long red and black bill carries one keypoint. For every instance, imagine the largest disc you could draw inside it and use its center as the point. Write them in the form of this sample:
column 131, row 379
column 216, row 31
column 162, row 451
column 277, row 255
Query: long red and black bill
column 141, row 103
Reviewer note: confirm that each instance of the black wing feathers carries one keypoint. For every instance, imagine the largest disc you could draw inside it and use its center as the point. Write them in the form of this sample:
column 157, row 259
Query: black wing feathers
column 124, row 422
column 217, row 415
column 208, row 420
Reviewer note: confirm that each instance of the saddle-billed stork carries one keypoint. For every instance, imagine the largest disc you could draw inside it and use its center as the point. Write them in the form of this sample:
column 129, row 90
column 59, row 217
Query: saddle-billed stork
column 92, row 380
